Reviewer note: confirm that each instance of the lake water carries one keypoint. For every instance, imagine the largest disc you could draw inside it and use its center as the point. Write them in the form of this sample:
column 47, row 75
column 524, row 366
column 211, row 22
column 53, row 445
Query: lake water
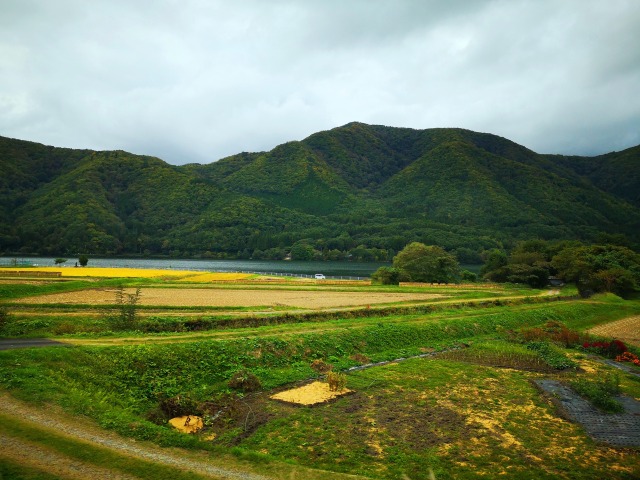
column 329, row 269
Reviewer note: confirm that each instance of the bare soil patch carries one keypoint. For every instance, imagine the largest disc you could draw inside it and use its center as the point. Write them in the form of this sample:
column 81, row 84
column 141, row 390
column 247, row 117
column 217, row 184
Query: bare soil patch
column 205, row 297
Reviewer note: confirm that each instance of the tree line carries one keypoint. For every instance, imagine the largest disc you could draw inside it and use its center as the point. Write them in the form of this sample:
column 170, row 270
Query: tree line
column 592, row 268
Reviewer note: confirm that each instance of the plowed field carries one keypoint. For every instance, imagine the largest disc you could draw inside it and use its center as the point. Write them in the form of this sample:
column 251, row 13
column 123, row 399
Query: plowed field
column 204, row 297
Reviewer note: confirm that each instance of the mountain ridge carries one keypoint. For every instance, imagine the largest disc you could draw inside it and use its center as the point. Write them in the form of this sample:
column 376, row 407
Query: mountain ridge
column 358, row 186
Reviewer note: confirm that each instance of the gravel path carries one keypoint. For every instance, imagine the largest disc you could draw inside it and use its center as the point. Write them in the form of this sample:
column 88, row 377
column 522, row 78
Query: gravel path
column 618, row 430
column 10, row 406
column 12, row 343
column 21, row 453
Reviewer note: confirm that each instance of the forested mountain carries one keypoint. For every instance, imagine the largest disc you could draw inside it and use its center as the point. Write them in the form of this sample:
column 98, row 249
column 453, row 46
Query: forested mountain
column 357, row 191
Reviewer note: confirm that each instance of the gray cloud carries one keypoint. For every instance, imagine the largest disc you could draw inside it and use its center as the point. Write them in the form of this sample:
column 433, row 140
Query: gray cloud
column 197, row 80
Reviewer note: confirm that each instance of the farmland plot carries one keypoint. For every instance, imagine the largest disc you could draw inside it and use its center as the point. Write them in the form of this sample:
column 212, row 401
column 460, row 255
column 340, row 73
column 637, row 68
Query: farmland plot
column 627, row 329
column 198, row 297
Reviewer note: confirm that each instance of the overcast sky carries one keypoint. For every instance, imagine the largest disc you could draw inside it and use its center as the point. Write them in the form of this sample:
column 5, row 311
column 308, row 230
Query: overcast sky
column 197, row 80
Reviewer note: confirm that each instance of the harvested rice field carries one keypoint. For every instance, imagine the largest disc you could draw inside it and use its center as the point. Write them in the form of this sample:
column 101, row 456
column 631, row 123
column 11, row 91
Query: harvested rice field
column 209, row 297
column 627, row 330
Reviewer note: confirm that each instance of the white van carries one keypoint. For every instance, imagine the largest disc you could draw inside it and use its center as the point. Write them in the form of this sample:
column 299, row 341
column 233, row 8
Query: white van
column 320, row 276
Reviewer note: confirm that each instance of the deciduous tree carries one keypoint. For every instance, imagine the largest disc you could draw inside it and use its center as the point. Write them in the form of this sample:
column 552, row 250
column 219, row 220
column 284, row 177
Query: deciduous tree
column 432, row 264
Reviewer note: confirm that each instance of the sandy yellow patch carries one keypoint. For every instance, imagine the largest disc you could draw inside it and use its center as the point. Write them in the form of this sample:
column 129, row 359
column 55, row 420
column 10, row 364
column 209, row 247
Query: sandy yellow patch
column 187, row 424
column 311, row 394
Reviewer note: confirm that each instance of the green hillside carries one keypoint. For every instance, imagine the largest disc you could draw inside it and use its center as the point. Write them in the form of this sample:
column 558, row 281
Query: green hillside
column 359, row 190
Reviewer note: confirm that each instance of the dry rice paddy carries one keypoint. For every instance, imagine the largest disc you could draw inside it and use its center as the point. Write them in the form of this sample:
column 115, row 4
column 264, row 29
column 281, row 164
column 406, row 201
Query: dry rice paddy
column 627, row 329
column 210, row 297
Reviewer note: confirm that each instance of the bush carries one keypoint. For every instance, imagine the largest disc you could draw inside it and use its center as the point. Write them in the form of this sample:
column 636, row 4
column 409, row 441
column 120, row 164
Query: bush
column 468, row 276
column 245, row 381
column 628, row 357
column 608, row 349
column 337, row 381
column 177, row 406
column 386, row 276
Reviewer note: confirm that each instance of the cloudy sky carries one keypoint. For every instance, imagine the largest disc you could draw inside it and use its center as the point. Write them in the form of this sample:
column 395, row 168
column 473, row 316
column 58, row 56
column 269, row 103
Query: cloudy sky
column 197, row 80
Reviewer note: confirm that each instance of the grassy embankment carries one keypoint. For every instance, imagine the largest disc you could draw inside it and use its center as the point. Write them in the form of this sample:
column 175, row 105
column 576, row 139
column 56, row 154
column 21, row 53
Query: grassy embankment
column 456, row 414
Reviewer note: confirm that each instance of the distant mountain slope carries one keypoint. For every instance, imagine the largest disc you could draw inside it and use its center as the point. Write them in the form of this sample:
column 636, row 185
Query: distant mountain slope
column 359, row 189
column 617, row 173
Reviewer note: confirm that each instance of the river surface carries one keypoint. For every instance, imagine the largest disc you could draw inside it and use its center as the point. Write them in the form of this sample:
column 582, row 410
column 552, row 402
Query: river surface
column 330, row 269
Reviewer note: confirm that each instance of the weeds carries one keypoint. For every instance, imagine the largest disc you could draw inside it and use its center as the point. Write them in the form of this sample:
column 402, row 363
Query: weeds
column 600, row 392
column 245, row 380
column 555, row 332
column 124, row 314
column 499, row 354
column 5, row 317
column 337, row 381
column 552, row 355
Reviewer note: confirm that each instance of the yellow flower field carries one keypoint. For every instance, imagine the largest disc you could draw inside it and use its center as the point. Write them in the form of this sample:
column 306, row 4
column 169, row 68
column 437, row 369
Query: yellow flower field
column 104, row 272
column 217, row 276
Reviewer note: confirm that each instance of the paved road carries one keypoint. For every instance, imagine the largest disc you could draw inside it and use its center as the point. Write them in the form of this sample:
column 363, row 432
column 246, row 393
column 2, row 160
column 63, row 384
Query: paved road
column 12, row 343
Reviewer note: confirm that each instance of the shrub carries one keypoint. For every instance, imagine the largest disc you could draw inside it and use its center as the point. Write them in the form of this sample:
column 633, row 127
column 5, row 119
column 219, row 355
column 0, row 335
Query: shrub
column 468, row 276
column 628, row 357
column 608, row 349
column 337, row 381
column 386, row 276
column 245, row 381
column 177, row 406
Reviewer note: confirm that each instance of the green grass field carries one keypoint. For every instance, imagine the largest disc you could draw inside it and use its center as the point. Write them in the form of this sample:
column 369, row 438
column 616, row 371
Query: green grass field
column 468, row 412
